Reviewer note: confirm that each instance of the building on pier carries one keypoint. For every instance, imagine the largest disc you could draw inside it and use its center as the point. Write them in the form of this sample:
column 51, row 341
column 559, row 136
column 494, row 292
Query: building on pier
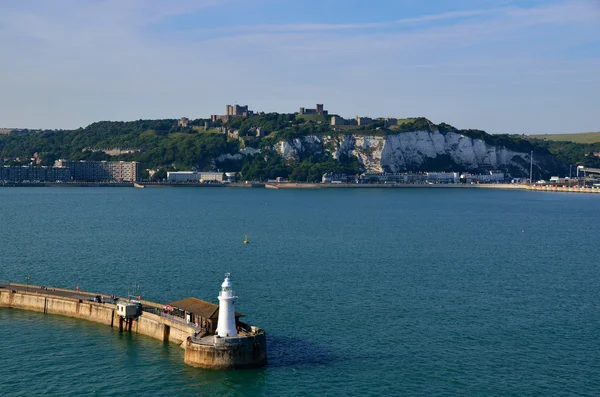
column 201, row 313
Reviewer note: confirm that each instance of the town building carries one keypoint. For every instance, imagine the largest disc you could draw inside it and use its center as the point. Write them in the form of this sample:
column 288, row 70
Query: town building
column 99, row 171
column 330, row 177
column 443, row 177
column 183, row 122
column 194, row 177
column 489, row 177
column 230, row 177
column 319, row 110
column 34, row 174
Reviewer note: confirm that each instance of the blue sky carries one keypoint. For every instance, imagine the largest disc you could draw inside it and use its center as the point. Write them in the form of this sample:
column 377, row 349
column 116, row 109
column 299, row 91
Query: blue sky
column 499, row 65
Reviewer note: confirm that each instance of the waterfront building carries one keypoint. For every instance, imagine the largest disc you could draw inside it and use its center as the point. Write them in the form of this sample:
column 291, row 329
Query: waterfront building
column 34, row 174
column 330, row 177
column 98, row 171
column 443, row 177
column 490, row 177
column 230, row 177
column 387, row 177
column 194, row 176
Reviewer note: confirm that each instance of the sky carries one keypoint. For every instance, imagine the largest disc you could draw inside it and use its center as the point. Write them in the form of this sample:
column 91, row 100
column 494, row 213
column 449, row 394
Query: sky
column 523, row 66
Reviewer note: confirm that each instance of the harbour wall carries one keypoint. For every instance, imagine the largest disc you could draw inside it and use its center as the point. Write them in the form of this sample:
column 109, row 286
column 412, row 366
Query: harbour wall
column 563, row 189
column 148, row 324
column 246, row 350
column 226, row 353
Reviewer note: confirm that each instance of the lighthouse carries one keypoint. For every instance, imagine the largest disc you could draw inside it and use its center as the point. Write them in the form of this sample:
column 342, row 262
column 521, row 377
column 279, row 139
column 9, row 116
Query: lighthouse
column 226, row 324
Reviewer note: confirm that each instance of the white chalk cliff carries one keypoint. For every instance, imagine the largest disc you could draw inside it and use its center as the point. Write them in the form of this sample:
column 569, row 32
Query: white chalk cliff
column 409, row 150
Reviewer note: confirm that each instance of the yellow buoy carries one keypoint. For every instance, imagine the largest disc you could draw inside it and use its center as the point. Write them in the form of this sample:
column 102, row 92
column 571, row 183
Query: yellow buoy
column 246, row 241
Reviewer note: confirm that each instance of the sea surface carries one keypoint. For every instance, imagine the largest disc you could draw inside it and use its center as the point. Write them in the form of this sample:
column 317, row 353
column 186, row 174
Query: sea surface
column 370, row 292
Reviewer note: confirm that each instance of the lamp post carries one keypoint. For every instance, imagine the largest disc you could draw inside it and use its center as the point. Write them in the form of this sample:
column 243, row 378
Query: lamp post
column 27, row 283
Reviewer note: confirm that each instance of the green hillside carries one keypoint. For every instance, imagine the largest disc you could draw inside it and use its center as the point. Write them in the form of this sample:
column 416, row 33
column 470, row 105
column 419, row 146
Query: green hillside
column 162, row 144
column 584, row 137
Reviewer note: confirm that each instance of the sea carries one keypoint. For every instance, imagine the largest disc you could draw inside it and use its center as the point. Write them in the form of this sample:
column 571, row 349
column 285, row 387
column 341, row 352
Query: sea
column 362, row 292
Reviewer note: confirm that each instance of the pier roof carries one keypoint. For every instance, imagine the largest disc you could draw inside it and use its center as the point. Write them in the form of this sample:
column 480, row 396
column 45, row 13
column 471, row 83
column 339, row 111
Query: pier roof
column 199, row 307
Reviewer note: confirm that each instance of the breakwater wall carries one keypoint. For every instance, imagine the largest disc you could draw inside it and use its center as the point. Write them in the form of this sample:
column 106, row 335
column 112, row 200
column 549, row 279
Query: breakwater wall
column 50, row 302
column 248, row 349
column 224, row 353
column 564, row 189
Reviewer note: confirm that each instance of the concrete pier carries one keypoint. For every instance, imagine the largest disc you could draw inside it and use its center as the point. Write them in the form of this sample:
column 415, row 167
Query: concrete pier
column 78, row 304
column 247, row 350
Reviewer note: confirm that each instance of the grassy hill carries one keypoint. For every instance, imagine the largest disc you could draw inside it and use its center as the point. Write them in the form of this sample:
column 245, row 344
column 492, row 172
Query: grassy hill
column 584, row 137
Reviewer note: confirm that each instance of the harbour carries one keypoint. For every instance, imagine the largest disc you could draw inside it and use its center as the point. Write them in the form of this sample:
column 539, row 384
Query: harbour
column 488, row 292
column 224, row 344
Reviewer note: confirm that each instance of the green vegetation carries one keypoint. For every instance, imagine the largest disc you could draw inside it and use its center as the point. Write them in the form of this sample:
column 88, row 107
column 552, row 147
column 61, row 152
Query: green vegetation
column 585, row 137
column 161, row 142
column 571, row 152
column 165, row 146
column 313, row 117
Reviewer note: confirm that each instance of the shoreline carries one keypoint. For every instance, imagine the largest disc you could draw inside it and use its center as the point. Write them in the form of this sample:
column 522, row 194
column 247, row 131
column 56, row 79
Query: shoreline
column 292, row 185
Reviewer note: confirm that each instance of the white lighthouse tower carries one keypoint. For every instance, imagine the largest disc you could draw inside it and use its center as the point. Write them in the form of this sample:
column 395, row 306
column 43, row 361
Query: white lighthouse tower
column 226, row 325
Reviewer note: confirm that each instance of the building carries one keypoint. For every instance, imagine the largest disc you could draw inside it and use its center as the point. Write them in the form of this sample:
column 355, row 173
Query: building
column 223, row 118
column 99, row 171
column 34, row 173
column 238, row 111
column 337, row 120
column 227, row 344
column 364, row 120
column 227, row 322
column 201, row 313
column 318, row 110
column 388, row 122
column 194, row 177
column 232, row 111
column 230, row 177
column 387, row 177
column 490, row 177
column 330, row 177
column 443, row 177
column 183, row 122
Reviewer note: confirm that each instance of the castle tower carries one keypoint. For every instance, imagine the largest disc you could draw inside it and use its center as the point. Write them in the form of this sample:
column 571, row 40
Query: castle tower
column 226, row 323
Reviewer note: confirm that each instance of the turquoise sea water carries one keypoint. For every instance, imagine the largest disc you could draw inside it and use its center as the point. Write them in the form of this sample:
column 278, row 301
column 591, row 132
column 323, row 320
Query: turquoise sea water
column 361, row 292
